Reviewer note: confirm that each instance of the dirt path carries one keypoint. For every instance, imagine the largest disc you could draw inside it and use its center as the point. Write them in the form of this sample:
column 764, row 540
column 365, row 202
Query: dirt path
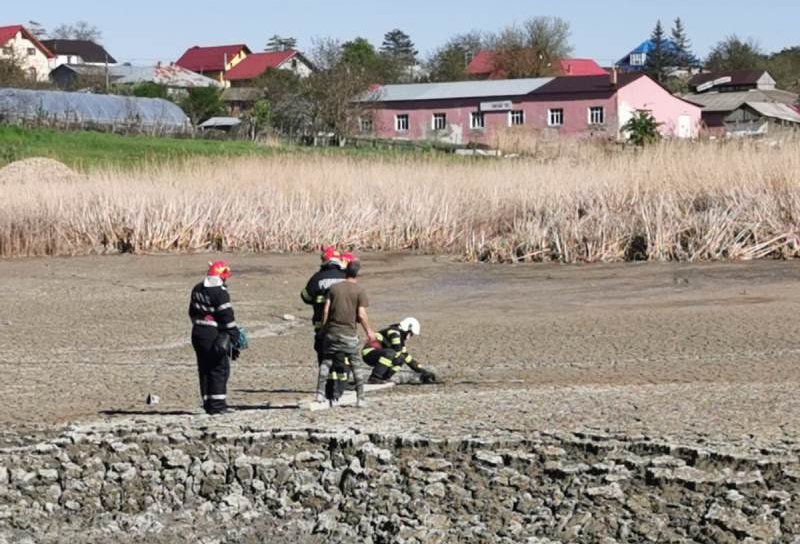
column 706, row 350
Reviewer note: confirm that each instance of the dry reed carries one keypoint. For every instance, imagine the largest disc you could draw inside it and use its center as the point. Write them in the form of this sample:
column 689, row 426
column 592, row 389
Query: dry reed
column 671, row 202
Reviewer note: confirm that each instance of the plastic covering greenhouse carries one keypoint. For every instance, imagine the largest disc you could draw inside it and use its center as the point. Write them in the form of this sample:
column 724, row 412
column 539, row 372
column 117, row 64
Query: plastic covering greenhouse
column 82, row 110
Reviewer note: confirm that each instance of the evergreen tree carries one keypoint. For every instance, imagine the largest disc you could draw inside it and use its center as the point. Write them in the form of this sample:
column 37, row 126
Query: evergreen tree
column 398, row 46
column 661, row 57
column 683, row 46
column 449, row 63
column 733, row 53
column 279, row 43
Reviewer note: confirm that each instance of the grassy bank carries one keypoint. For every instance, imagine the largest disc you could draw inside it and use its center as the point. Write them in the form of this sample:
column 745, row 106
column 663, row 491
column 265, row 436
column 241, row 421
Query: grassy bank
column 86, row 150
column 689, row 202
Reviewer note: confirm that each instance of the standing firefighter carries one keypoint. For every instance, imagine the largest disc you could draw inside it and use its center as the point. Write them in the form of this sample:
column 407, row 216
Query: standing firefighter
column 315, row 293
column 388, row 355
column 344, row 310
column 215, row 336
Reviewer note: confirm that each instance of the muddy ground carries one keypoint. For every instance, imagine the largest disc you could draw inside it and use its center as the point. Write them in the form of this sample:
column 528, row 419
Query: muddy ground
column 705, row 350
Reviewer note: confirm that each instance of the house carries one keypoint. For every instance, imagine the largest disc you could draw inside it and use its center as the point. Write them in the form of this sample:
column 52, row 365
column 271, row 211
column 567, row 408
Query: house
column 257, row 64
column 742, row 101
column 482, row 66
column 22, row 47
column 636, row 60
column 213, row 61
column 77, row 52
column 172, row 76
column 475, row 111
column 240, row 99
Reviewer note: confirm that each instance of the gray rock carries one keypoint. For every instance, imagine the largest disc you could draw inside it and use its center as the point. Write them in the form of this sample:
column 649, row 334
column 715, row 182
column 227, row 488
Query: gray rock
column 434, row 464
column 175, row 458
column 48, row 475
column 611, row 491
column 488, row 458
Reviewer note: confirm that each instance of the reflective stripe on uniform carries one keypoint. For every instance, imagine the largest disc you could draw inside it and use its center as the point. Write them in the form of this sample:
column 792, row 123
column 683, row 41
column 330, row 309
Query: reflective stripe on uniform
column 231, row 325
column 217, row 397
column 205, row 323
column 320, row 299
column 409, row 358
column 225, row 306
column 203, row 307
column 385, row 361
column 367, row 351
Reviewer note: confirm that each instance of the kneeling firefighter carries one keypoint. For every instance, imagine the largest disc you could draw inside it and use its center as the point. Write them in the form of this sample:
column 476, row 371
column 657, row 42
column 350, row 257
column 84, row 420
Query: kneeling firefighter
column 388, row 355
column 216, row 338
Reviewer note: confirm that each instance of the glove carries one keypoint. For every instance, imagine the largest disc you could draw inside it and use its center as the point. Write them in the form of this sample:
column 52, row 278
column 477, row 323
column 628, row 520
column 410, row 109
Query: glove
column 235, row 354
column 428, row 377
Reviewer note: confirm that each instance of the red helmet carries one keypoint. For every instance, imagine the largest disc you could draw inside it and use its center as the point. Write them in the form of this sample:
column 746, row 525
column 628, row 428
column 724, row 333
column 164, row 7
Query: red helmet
column 329, row 254
column 220, row 269
column 348, row 258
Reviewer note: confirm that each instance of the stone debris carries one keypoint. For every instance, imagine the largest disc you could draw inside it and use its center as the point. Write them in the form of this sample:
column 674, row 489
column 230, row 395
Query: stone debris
column 229, row 482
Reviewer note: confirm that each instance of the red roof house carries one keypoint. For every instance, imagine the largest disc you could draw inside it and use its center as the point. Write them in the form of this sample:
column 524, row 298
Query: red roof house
column 213, row 61
column 257, row 64
column 482, row 66
column 33, row 57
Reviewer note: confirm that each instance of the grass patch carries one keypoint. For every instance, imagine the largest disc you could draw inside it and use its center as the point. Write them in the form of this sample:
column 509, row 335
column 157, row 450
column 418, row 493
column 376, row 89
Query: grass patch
column 86, row 150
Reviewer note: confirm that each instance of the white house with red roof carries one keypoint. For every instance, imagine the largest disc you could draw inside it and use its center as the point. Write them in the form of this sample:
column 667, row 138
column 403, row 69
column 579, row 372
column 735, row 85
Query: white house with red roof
column 483, row 66
column 257, row 64
column 213, row 61
column 22, row 47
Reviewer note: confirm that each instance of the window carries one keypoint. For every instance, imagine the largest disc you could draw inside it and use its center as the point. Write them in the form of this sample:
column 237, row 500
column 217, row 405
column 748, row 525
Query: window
column 555, row 117
column 439, row 121
column 516, row 118
column 476, row 120
column 32, row 74
column 31, row 51
column 365, row 124
column 638, row 59
column 401, row 122
column 597, row 115
column 8, row 51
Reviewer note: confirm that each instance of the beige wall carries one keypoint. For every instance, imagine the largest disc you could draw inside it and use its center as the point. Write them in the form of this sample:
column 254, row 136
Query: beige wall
column 18, row 48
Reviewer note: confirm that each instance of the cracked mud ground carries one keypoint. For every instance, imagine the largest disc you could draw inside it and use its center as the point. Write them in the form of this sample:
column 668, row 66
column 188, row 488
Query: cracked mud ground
column 705, row 350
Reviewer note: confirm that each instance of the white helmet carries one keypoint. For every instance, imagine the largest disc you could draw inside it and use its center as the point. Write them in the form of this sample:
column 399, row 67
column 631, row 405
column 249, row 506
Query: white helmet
column 411, row 325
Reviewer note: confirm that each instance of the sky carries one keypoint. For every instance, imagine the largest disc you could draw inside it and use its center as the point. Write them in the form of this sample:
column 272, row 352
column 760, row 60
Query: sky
column 146, row 31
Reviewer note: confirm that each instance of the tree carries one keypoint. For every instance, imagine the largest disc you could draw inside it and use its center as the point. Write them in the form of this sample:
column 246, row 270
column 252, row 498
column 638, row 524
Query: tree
column 532, row 49
column 278, row 43
column 785, row 68
column 258, row 118
column 449, row 62
column 733, row 53
column 150, row 89
column 642, row 129
column 81, row 30
column 11, row 74
column 202, row 103
column 360, row 56
column 397, row 45
column 683, row 56
column 661, row 57
column 36, row 28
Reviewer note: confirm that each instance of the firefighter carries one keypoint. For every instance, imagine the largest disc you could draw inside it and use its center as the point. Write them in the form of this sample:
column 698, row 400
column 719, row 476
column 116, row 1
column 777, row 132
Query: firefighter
column 215, row 336
column 315, row 293
column 388, row 355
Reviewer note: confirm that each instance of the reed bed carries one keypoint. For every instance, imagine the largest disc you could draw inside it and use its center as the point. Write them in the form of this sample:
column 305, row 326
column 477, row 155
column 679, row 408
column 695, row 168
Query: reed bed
column 685, row 202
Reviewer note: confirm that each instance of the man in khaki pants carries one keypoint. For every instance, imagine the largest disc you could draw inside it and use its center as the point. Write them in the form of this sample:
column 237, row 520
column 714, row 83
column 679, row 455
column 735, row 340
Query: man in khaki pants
column 345, row 308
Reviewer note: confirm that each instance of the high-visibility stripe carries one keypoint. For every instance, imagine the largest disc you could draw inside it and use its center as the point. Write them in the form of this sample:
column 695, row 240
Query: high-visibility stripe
column 409, row 358
column 225, row 306
column 320, row 299
column 217, row 397
column 395, row 341
column 367, row 351
column 205, row 323
column 231, row 325
column 385, row 361
column 203, row 307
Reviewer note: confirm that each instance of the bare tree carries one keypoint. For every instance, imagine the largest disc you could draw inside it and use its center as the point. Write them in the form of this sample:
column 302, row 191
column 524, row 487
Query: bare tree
column 81, row 30
column 530, row 50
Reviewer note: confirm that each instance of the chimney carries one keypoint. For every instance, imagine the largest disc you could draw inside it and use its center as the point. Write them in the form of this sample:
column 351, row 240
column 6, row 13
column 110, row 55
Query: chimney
column 614, row 77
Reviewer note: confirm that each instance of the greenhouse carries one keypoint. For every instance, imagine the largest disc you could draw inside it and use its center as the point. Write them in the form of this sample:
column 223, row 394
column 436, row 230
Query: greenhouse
column 83, row 110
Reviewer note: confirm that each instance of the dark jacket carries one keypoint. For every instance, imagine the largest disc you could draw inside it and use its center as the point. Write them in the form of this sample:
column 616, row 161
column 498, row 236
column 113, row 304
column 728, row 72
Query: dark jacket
column 210, row 309
column 316, row 290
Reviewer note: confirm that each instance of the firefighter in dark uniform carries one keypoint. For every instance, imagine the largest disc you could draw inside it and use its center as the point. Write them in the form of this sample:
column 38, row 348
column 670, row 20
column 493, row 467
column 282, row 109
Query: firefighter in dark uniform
column 315, row 293
column 389, row 357
column 215, row 336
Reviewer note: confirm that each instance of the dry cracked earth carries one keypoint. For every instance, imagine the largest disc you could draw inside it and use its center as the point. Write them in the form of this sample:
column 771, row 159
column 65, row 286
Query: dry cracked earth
column 707, row 350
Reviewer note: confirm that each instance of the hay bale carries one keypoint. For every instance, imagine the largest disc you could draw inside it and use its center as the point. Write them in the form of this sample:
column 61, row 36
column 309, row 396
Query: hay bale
column 37, row 170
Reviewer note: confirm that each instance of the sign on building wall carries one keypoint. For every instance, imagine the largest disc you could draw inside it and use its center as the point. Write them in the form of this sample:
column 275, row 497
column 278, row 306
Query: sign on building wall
column 503, row 105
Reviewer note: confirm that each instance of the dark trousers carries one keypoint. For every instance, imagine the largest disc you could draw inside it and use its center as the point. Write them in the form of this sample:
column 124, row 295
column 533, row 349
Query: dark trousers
column 213, row 370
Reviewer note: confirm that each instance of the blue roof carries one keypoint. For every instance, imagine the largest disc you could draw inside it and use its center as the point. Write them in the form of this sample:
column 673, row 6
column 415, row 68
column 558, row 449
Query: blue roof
column 647, row 46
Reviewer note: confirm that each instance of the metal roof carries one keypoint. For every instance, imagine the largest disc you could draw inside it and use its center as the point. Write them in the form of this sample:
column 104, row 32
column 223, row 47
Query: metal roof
column 714, row 101
column 170, row 75
column 772, row 110
column 459, row 89
column 88, row 50
column 221, row 122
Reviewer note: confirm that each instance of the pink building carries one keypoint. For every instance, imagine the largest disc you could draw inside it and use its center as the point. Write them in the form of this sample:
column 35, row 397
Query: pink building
column 473, row 111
